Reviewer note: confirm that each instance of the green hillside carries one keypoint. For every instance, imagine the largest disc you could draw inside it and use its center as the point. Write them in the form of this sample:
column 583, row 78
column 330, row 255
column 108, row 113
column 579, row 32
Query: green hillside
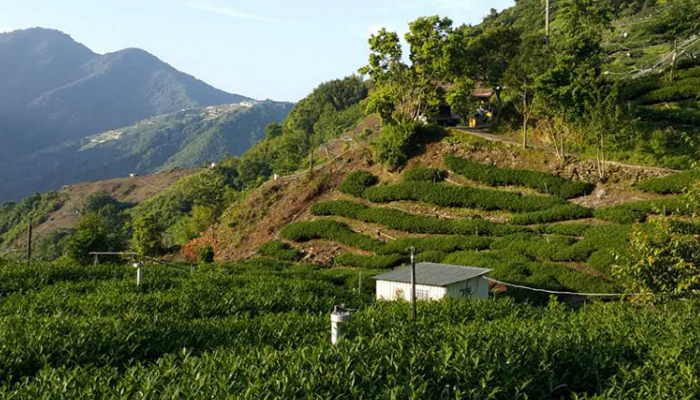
column 185, row 139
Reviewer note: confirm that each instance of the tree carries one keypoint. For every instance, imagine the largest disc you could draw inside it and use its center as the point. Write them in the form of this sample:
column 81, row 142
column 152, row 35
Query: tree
column 146, row 239
column 273, row 130
column 529, row 64
column 94, row 233
column 662, row 261
column 491, row 52
column 411, row 89
column 459, row 97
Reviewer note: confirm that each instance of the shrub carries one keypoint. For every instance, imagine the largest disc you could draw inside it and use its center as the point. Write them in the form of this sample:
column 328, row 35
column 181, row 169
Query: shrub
column 402, row 221
column 368, row 262
column 206, row 255
column 675, row 183
column 424, row 175
column 458, row 196
column 688, row 88
column 279, row 250
column 562, row 212
column 575, row 229
column 444, row 244
column 540, row 181
column 394, row 143
column 628, row 213
column 356, row 182
column 431, row 256
column 329, row 230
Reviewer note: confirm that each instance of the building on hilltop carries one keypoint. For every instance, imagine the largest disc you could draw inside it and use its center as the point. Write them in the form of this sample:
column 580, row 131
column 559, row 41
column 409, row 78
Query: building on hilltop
column 434, row 282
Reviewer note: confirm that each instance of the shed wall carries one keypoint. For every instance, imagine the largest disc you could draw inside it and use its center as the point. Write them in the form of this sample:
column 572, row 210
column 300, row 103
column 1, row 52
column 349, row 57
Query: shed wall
column 387, row 290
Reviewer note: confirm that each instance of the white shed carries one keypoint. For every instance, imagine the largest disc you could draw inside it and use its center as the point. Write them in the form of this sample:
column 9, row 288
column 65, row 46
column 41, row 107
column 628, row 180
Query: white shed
column 433, row 282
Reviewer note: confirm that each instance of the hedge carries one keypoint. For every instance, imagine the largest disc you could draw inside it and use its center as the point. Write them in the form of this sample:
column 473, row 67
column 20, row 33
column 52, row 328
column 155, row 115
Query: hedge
column 540, row 181
column 573, row 229
column 688, row 88
column 402, row 221
column 459, row 196
column 279, row 250
column 549, row 248
column 356, row 182
column 628, row 213
column 431, row 256
column 369, row 262
column 445, row 244
column 670, row 184
column 424, row 175
column 329, row 230
column 562, row 212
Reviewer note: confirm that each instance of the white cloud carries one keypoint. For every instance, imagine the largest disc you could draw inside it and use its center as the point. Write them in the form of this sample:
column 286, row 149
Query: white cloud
column 233, row 13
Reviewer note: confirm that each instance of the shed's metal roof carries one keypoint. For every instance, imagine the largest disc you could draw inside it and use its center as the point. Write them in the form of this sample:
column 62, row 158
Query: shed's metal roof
column 433, row 274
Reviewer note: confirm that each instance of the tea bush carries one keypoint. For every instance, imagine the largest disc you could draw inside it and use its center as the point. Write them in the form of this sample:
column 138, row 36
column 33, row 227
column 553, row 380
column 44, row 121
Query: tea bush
column 562, row 212
column 540, row 181
column 279, row 250
column 444, row 244
column 329, row 230
column 670, row 184
column 260, row 330
column 628, row 213
column 459, row 196
column 402, row 221
column 356, row 182
column 369, row 262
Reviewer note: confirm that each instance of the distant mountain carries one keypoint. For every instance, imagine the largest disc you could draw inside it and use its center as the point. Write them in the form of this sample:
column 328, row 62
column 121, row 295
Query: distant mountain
column 184, row 139
column 53, row 89
column 55, row 92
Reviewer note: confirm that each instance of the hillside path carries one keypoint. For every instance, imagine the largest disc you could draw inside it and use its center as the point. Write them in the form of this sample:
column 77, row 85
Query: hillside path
column 484, row 133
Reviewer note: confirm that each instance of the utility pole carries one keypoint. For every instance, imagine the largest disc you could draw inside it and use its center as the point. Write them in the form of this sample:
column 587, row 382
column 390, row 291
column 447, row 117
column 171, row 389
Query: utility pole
column 413, row 284
column 546, row 21
column 29, row 242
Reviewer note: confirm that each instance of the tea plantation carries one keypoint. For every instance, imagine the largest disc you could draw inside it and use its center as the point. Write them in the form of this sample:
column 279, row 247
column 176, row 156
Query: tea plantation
column 260, row 330
column 525, row 226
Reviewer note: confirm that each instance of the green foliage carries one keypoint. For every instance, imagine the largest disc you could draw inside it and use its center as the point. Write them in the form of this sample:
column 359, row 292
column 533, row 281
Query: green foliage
column 329, row 230
column 670, row 184
column 14, row 217
column 279, row 250
column 399, row 220
column 356, row 182
column 459, row 196
column 637, row 211
column 443, row 244
column 540, row 181
column 368, row 262
column 206, row 255
column 562, row 212
column 95, row 233
column 424, row 175
column 66, row 337
column 146, row 239
column 394, row 143
column 661, row 261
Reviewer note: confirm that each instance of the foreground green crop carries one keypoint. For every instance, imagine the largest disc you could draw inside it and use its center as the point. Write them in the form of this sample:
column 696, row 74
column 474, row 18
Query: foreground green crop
column 261, row 331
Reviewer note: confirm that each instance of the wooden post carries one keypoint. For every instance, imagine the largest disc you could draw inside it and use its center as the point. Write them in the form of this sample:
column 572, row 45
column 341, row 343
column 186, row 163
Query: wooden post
column 359, row 284
column 29, row 241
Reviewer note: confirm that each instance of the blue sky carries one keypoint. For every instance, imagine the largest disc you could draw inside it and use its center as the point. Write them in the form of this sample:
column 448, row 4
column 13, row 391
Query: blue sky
column 278, row 49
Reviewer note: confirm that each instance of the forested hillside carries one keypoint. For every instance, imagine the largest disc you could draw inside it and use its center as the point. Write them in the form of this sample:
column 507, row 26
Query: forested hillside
column 185, row 139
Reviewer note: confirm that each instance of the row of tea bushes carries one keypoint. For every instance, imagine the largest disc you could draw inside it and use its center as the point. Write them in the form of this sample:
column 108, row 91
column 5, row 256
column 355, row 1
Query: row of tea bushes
column 540, row 181
column 279, row 250
column 369, row 262
column 628, row 213
column 670, row 184
column 402, row 221
column 564, row 212
column 329, row 230
column 460, row 196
